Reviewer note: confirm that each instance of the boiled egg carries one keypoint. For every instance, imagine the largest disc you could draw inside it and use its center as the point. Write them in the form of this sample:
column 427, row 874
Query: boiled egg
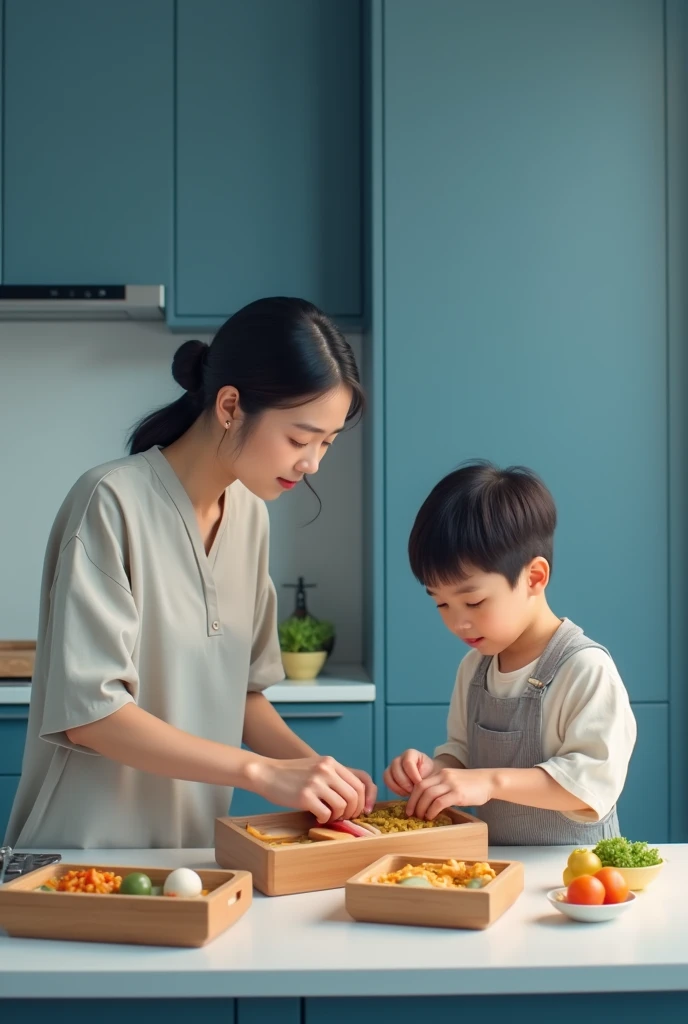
column 183, row 882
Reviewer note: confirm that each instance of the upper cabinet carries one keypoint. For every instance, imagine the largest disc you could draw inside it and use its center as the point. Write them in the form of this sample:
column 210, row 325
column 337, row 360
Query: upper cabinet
column 88, row 141
column 524, row 294
column 268, row 155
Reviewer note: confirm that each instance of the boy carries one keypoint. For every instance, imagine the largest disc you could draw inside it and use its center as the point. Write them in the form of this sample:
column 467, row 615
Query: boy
column 540, row 728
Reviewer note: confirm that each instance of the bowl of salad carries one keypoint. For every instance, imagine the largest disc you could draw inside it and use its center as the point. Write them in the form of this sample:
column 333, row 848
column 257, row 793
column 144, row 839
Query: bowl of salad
column 637, row 862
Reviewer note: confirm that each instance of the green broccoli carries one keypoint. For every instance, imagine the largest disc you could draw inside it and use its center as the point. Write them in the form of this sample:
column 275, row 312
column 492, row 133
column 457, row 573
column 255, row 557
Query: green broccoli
column 620, row 853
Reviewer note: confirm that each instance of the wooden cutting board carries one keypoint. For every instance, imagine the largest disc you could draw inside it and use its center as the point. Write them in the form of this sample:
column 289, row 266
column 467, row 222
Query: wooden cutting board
column 17, row 658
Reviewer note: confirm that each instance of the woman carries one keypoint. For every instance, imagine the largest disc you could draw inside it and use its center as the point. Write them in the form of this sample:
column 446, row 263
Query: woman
column 157, row 628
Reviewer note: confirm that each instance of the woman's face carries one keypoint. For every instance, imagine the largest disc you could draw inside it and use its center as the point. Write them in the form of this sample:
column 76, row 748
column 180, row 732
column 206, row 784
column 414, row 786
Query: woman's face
column 286, row 444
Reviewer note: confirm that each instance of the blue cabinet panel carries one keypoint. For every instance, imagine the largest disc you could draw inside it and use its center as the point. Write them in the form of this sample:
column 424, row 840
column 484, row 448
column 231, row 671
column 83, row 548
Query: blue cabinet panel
column 88, row 153
column 345, row 731
column 268, row 1011
column 268, row 154
column 633, row 1008
column 8, row 788
column 525, row 302
column 13, row 719
column 644, row 804
column 112, row 1011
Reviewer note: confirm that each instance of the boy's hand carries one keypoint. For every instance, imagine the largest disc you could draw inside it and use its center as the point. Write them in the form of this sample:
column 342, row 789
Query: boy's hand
column 451, row 787
column 407, row 770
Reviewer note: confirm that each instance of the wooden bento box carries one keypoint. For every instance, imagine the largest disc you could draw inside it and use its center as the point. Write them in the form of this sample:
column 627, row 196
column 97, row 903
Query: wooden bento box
column 282, row 870
column 112, row 917
column 440, row 908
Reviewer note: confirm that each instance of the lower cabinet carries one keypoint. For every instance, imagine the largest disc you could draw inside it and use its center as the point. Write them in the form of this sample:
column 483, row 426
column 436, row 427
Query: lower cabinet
column 669, row 1007
column 269, row 1011
column 13, row 719
column 8, row 788
column 644, row 804
column 343, row 730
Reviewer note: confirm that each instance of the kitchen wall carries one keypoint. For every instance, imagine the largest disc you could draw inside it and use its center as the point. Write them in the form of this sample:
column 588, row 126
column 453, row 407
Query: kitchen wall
column 69, row 393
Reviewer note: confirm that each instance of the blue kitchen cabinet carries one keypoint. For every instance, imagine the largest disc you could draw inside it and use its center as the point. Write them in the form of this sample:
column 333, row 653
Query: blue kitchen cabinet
column 8, row 789
column 13, row 719
column 88, row 142
column 269, row 1011
column 345, row 731
column 212, row 1010
column 268, row 155
column 522, row 306
column 644, row 804
column 595, row 1008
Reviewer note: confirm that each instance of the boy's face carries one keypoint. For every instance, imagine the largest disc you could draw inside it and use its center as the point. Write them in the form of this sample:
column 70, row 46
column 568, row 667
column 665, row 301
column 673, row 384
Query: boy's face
column 485, row 611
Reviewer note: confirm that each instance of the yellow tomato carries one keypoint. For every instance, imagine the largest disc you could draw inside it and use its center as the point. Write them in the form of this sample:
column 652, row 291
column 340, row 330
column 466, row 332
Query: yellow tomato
column 582, row 862
column 568, row 876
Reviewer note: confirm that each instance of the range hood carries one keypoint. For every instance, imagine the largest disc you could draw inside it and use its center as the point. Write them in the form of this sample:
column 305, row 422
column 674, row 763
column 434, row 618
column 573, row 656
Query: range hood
column 82, row 302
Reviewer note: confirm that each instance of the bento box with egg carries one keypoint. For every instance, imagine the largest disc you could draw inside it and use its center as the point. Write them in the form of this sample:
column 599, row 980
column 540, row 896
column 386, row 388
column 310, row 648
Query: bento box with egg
column 146, row 906
column 289, row 852
column 447, row 893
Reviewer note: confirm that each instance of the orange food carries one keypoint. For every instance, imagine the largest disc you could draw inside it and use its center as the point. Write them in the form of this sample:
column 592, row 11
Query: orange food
column 615, row 885
column 586, row 889
column 87, row 880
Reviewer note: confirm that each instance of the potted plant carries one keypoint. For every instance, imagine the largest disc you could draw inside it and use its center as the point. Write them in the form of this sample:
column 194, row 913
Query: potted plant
column 303, row 642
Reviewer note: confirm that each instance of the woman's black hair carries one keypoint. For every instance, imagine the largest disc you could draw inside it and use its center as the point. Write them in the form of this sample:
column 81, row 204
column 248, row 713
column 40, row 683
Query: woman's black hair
column 277, row 352
column 482, row 518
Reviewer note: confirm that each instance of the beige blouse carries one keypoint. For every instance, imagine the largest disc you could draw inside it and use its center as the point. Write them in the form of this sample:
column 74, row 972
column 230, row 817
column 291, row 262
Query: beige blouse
column 133, row 609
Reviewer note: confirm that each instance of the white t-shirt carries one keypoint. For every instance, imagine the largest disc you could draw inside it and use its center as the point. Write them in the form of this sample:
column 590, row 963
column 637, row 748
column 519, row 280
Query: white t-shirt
column 588, row 726
column 133, row 610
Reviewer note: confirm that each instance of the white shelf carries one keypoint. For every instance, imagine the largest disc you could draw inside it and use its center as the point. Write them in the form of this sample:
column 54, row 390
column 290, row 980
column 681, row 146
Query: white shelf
column 336, row 683
column 339, row 684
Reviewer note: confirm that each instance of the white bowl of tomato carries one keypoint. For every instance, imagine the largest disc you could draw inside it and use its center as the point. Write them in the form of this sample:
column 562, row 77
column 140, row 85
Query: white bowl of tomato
column 601, row 896
column 589, row 912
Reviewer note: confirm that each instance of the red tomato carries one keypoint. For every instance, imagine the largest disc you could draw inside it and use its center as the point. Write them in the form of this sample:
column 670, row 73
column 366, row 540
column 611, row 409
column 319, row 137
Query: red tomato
column 586, row 889
column 615, row 886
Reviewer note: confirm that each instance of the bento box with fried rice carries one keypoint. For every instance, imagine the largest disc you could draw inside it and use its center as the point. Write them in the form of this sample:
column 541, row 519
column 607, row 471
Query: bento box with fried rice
column 289, row 852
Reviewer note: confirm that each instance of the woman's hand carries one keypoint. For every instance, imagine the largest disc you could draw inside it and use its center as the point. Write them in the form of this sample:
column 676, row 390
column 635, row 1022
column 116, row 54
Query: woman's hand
column 370, row 788
column 317, row 784
column 407, row 770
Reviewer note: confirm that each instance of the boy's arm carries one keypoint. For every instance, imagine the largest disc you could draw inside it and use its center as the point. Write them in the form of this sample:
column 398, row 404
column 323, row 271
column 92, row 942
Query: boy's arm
column 473, row 787
column 447, row 761
column 533, row 787
column 584, row 774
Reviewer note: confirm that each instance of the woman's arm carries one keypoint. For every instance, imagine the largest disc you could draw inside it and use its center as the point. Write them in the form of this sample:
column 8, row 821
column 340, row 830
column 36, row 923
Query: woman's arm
column 266, row 732
column 138, row 739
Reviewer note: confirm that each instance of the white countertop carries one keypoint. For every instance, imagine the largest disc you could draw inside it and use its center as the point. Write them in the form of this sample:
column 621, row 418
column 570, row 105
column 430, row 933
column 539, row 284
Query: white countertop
column 307, row 945
column 338, row 684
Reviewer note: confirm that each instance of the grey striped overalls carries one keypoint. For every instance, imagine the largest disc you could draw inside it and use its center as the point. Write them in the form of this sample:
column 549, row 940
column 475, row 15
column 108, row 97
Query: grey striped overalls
column 506, row 733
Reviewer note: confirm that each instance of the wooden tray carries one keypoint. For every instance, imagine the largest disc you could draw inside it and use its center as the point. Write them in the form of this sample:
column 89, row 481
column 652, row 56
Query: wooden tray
column 17, row 658
column 459, row 908
column 144, row 920
column 279, row 871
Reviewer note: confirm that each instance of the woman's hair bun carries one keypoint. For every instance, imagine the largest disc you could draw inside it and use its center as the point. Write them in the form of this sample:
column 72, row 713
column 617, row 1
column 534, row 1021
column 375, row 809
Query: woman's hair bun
column 187, row 365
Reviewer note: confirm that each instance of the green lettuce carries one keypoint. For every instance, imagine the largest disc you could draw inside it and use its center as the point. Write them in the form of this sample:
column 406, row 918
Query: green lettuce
column 620, row 853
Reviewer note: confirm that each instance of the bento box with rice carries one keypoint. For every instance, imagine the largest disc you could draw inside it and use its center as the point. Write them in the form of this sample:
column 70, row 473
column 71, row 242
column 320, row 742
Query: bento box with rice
column 289, row 852
column 447, row 893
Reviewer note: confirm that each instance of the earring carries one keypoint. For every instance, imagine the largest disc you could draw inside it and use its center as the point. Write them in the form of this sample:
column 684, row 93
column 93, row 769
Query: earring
column 228, row 424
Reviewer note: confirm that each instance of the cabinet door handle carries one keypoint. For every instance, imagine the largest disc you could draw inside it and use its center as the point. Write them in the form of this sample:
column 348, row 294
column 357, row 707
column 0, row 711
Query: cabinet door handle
column 313, row 714
column 5, row 717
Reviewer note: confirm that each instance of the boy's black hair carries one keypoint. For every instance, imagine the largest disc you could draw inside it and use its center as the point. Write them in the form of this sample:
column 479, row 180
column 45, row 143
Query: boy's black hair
column 483, row 518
